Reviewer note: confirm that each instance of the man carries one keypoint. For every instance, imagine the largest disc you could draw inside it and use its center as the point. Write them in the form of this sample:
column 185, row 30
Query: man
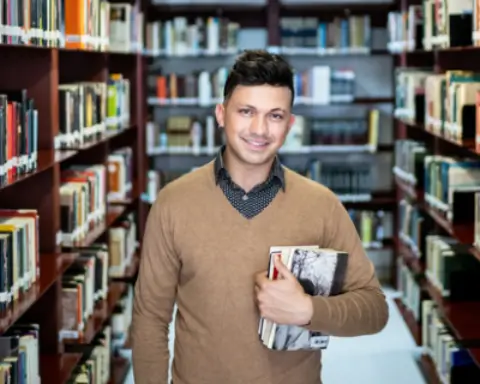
column 206, row 247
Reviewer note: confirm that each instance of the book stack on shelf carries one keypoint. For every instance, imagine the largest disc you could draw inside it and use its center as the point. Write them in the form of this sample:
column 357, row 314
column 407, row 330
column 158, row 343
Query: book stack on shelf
column 109, row 27
column 308, row 35
column 177, row 37
column 71, row 109
column 190, row 135
column 437, row 177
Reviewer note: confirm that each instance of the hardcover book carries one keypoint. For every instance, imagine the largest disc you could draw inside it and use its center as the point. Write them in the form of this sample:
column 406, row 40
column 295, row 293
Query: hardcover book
column 321, row 272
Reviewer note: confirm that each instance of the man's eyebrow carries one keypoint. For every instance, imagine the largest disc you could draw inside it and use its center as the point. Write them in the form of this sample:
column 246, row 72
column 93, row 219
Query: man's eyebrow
column 278, row 109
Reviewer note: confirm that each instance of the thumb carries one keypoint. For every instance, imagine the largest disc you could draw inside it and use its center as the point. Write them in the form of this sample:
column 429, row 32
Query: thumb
column 282, row 269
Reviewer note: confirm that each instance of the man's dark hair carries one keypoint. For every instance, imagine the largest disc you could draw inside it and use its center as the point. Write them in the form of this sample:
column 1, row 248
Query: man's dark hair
column 257, row 67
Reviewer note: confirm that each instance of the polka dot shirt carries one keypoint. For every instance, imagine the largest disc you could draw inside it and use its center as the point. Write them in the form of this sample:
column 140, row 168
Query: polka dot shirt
column 254, row 202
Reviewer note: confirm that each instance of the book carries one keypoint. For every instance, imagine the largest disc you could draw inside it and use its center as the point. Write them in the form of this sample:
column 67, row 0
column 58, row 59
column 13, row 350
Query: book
column 122, row 319
column 409, row 288
column 321, row 272
column 413, row 226
column 122, row 245
column 82, row 202
column 120, row 176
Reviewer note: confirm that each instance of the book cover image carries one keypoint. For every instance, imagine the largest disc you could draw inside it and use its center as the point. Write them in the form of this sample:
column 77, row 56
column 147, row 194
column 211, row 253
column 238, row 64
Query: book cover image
column 321, row 273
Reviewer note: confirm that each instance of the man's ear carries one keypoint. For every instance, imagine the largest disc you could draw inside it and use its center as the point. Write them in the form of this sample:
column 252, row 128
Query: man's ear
column 291, row 122
column 220, row 115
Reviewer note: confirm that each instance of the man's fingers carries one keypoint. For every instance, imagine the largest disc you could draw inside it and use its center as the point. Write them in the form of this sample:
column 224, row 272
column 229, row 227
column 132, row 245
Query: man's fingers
column 261, row 279
column 282, row 269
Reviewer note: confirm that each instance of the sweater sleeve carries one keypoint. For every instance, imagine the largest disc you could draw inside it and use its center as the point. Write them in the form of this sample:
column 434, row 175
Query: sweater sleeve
column 361, row 308
column 154, row 298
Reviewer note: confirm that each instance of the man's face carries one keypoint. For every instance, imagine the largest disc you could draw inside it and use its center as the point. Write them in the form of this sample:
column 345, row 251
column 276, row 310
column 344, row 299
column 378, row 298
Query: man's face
column 256, row 120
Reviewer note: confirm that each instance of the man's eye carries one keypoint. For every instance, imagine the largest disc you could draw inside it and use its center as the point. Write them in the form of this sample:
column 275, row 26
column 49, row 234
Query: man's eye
column 277, row 116
column 246, row 112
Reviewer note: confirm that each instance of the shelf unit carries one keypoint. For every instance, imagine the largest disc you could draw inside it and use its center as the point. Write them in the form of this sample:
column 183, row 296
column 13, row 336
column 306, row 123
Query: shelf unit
column 40, row 70
column 461, row 317
column 266, row 15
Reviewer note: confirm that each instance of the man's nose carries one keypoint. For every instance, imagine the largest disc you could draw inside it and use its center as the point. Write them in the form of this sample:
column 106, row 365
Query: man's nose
column 259, row 126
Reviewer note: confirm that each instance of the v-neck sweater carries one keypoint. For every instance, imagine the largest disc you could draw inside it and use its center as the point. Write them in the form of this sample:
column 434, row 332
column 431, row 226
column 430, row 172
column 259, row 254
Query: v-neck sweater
column 201, row 253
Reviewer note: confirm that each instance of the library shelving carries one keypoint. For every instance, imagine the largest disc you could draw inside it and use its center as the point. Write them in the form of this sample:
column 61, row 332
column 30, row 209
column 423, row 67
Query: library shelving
column 346, row 119
column 435, row 45
column 72, row 171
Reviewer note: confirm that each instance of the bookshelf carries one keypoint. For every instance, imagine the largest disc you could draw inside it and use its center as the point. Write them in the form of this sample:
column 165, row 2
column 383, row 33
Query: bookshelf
column 339, row 46
column 436, row 116
column 72, row 152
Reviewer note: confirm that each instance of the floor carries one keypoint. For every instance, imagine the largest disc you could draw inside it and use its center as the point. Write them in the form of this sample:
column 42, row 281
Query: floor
column 385, row 358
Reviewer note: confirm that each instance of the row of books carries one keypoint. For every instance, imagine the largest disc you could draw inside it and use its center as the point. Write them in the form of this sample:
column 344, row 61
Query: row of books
column 84, row 195
column 409, row 288
column 435, row 24
column 452, row 361
column 451, row 268
column 20, row 354
column 342, row 178
column 374, row 227
column 412, row 225
column 193, row 133
column 18, row 134
column 99, row 355
column 323, row 84
column 178, row 37
column 105, row 27
column 449, row 183
column 352, row 33
column 446, row 103
column 313, row 131
column 19, row 253
column 84, row 285
column 90, row 109
column 86, row 282
column 95, row 364
column 21, row 267
column 319, row 85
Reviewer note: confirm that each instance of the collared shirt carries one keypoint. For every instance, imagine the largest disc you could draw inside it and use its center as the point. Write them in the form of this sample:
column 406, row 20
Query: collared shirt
column 252, row 203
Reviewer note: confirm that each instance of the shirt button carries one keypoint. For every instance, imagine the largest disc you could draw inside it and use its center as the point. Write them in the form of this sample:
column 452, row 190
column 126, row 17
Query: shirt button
column 245, row 197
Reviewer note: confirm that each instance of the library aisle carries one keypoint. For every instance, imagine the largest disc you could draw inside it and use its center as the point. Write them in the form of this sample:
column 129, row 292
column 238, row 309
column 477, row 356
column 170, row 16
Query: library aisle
column 385, row 358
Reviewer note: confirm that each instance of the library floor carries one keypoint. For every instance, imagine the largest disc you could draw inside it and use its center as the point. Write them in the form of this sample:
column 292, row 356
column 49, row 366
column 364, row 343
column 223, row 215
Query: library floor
column 385, row 358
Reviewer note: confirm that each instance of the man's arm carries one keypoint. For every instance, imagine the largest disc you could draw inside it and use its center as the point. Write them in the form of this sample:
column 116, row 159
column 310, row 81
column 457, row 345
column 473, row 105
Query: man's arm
column 155, row 292
column 361, row 309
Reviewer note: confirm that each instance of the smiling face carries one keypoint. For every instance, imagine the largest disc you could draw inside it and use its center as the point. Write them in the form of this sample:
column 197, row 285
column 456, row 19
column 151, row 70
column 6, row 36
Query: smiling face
column 256, row 119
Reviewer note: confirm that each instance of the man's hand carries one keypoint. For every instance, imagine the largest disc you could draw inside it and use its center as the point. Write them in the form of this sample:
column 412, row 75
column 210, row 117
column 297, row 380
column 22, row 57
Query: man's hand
column 283, row 301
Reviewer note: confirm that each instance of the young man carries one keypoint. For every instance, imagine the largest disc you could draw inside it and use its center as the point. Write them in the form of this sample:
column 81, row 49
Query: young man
column 206, row 247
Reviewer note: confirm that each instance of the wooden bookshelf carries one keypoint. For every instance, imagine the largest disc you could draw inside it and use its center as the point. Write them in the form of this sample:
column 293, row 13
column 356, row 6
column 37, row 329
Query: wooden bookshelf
column 41, row 70
column 459, row 316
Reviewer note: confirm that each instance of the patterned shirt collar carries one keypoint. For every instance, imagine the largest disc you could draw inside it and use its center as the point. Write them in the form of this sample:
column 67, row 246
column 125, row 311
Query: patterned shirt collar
column 276, row 172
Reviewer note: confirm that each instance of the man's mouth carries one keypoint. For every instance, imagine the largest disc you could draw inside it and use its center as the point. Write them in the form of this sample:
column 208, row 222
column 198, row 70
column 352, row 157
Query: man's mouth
column 257, row 143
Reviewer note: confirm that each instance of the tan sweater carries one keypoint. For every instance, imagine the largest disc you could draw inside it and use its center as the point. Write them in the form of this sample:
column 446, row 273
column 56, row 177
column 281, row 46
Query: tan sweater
column 200, row 252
